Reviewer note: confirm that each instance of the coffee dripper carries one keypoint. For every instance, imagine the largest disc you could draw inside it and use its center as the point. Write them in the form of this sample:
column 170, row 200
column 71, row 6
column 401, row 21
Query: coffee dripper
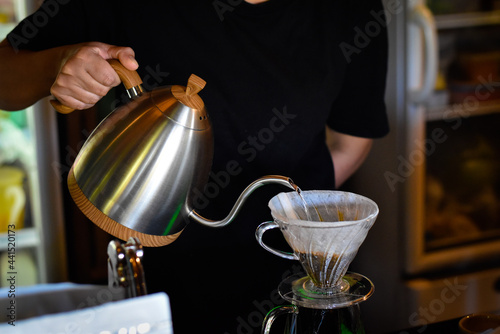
column 325, row 230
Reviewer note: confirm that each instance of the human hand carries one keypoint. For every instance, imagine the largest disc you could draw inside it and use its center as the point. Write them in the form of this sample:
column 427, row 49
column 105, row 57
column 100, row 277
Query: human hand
column 85, row 75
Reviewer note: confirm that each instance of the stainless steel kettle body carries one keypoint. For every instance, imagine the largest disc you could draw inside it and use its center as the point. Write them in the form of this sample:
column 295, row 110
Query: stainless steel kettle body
column 138, row 172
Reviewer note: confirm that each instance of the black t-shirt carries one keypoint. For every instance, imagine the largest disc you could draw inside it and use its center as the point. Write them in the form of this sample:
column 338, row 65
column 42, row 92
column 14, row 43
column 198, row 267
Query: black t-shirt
column 276, row 73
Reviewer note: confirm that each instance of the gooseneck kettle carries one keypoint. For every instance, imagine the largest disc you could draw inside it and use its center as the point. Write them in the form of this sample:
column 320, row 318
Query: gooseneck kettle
column 138, row 173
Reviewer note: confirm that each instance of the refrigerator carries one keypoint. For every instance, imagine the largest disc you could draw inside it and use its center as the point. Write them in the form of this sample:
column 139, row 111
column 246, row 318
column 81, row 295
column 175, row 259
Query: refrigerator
column 32, row 236
column 434, row 251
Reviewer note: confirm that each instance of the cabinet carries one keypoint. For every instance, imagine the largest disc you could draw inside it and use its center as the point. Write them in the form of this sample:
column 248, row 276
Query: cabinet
column 32, row 247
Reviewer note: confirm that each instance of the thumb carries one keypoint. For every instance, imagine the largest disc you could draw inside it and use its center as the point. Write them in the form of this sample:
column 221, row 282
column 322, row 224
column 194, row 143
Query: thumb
column 125, row 55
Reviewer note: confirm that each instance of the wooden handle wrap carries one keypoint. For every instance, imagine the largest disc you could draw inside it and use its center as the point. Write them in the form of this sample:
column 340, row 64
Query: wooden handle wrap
column 61, row 108
column 129, row 79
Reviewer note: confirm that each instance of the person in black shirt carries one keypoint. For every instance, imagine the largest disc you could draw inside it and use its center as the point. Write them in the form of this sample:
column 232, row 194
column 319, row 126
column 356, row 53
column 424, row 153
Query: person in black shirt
column 294, row 88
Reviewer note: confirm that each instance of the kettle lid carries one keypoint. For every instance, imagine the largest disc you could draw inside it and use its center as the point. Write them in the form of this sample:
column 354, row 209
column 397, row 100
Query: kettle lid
column 183, row 104
column 189, row 95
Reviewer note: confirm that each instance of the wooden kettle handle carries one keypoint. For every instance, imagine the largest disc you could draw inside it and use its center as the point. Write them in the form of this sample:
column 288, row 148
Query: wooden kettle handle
column 130, row 79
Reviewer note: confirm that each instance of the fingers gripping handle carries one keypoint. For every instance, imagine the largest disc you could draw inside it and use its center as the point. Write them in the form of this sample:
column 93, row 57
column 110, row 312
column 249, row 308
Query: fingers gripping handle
column 259, row 234
column 130, row 79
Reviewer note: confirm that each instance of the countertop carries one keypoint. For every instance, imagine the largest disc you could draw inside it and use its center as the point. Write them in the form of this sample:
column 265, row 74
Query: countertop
column 445, row 327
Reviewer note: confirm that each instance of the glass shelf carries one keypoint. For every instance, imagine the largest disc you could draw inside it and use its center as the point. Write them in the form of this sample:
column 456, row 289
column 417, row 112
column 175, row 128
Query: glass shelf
column 462, row 20
column 475, row 108
column 23, row 238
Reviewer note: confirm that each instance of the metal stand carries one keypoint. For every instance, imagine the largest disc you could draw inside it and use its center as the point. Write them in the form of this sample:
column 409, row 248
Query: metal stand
column 125, row 267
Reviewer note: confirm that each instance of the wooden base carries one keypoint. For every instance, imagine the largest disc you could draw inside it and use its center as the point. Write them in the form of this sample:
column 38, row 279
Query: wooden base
column 111, row 226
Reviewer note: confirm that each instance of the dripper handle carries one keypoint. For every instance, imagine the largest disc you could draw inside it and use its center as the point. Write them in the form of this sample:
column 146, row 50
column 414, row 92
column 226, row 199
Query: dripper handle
column 130, row 79
column 259, row 233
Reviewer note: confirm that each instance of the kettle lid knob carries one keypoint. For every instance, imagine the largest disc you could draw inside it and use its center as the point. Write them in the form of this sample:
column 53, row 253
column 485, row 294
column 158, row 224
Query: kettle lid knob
column 189, row 95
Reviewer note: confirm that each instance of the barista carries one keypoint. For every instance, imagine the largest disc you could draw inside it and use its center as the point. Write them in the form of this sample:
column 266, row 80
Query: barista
column 294, row 88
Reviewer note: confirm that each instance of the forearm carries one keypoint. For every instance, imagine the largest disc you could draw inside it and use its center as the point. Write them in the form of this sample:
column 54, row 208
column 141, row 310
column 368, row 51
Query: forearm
column 26, row 76
column 348, row 153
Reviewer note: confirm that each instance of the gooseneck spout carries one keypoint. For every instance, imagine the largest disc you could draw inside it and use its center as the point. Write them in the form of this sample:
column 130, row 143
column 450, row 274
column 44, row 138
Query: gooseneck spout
column 269, row 179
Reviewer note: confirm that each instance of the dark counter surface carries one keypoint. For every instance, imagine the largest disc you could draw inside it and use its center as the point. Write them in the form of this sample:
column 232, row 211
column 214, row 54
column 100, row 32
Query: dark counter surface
column 445, row 327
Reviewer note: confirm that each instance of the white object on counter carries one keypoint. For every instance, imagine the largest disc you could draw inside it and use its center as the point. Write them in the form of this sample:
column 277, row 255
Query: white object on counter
column 42, row 299
column 146, row 314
